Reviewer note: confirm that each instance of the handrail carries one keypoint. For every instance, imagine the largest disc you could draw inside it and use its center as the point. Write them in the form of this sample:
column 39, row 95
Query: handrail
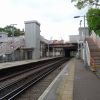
column 93, row 64
column 90, row 60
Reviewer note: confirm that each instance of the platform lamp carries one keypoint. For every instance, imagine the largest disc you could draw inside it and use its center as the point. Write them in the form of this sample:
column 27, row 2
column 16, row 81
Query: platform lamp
column 83, row 18
column 85, row 37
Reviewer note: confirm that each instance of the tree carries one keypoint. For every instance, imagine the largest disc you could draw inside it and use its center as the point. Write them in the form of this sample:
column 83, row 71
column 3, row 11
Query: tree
column 93, row 20
column 1, row 29
column 10, row 29
column 83, row 3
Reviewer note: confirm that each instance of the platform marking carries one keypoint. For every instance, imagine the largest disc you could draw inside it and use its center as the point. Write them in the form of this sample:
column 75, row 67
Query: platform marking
column 66, row 89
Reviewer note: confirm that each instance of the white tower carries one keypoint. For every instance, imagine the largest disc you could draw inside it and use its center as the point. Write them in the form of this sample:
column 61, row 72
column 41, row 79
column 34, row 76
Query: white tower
column 32, row 37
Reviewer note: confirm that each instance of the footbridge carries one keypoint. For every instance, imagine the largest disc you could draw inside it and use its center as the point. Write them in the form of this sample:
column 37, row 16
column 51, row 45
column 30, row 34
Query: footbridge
column 67, row 49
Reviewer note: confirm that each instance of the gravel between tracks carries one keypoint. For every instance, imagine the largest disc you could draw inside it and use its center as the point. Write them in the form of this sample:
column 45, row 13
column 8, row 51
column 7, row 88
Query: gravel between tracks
column 15, row 78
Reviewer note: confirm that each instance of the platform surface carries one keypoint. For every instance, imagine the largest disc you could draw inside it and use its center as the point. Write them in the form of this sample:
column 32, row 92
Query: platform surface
column 86, row 83
column 16, row 63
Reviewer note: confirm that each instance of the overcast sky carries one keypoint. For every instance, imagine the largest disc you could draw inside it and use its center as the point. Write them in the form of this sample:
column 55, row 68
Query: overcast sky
column 55, row 16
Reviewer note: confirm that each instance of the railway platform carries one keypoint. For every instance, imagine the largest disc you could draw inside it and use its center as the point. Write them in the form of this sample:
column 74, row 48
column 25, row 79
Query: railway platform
column 75, row 82
column 86, row 83
column 17, row 63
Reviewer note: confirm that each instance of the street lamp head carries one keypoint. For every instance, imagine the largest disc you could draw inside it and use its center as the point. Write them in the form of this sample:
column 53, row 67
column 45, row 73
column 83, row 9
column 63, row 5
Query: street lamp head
column 76, row 16
column 13, row 24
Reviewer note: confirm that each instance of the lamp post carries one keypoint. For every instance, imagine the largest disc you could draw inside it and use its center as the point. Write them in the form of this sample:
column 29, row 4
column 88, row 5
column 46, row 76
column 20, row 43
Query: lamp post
column 13, row 29
column 49, row 46
column 84, row 37
column 48, row 50
column 13, row 56
column 83, row 18
column 80, row 22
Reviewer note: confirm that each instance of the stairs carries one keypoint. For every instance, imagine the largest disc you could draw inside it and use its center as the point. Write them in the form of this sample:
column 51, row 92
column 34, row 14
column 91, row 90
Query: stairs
column 95, row 56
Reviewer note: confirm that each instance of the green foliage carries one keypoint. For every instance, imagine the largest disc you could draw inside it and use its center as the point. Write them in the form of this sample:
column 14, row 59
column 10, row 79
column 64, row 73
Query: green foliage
column 83, row 3
column 10, row 30
column 1, row 29
column 93, row 20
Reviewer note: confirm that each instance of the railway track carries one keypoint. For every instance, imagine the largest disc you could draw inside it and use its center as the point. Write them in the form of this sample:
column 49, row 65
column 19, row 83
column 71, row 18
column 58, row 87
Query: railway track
column 35, row 91
column 4, row 75
column 10, row 91
column 8, row 79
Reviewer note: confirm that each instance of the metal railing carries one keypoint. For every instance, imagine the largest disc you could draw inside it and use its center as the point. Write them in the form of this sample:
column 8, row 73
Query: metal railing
column 89, row 59
column 96, row 40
